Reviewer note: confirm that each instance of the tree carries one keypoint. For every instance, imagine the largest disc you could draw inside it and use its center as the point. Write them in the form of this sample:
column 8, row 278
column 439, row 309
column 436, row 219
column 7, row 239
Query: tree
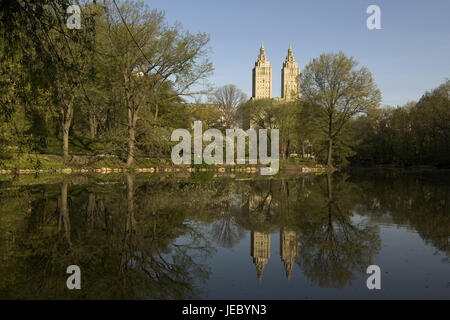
column 52, row 57
column 430, row 125
column 416, row 133
column 228, row 99
column 307, row 130
column 286, row 123
column 259, row 113
column 148, row 54
column 341, row 91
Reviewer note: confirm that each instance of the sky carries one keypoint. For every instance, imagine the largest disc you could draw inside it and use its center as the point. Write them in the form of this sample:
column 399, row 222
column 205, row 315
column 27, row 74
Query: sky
column 409, row 55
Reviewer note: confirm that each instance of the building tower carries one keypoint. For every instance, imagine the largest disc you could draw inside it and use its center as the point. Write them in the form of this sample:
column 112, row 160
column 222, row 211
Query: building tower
column 288, row 249
column 290, row 83
column 262, row 77
column 260, row 251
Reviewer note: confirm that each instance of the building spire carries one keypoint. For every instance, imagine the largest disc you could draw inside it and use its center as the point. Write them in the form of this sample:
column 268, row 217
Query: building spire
column 262, row 53
column 290, row 54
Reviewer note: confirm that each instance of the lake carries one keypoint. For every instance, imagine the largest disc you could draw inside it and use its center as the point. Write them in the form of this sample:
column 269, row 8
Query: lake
column 208, row 236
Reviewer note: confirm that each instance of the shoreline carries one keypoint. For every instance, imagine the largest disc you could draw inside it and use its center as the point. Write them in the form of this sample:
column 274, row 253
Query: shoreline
column 53, row 164
column 107, row 170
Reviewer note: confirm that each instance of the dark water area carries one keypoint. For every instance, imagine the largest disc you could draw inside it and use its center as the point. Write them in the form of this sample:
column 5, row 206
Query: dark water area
column 229, row 237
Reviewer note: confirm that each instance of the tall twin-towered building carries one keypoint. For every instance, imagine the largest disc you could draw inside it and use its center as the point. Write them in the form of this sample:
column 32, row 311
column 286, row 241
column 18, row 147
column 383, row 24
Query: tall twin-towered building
column 262, row 77
column 260, row 250
column 290, row 82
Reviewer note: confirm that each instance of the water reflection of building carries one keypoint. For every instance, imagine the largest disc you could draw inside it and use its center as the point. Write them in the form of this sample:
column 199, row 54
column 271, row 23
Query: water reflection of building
column 288, row 249
column 260, row 251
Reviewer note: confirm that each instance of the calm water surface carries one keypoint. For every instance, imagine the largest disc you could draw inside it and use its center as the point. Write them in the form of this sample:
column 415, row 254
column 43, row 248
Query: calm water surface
column 229, row 237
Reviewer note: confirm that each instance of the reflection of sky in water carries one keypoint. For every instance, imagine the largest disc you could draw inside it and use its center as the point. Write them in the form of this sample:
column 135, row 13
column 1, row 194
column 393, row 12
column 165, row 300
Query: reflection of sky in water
column 235, row 230
column 410, row 269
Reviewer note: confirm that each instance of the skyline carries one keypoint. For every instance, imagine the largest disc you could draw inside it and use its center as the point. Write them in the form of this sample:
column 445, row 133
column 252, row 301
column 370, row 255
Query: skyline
column 405, row 56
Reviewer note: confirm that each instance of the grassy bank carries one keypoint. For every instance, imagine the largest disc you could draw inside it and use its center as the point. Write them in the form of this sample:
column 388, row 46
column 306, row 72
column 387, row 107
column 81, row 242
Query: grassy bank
column 55, row 162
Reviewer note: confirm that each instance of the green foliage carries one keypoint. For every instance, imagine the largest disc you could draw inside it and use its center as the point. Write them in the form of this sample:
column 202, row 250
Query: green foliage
column 415, row 134
column 118, row 80
column 120, row 86
column 208, row 114
column 341, row 91
column 202, row 177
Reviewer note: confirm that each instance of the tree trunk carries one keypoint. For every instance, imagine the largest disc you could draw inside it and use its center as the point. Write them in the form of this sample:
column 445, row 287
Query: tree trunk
column 131, row 137
column 330, row 150
column 329, row 188
column 65, row 144
column 283, row 150
column 92, row 126
column 287, row 147
column 132, row 119
column 330, row 141
column 67, row 122
column 303, row 150
column 156, row 111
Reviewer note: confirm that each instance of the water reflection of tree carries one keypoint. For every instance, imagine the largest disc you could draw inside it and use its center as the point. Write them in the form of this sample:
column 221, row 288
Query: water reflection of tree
column 258, row 206
column 64, row 219
column 332, row 246
column 317, row 212
column 415, row 200
column 123, row 234
column 151, row 262
column 226, row 231
column 124, row 250
column 213, row 202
